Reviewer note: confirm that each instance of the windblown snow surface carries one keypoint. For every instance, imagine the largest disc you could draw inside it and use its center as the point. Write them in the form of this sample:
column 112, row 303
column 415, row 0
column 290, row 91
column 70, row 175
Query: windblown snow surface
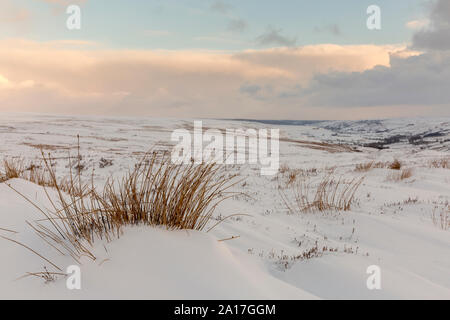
column 395, row 225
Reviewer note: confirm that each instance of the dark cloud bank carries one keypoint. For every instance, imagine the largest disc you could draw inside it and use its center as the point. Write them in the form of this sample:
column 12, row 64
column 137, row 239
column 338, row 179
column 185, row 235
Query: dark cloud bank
column 416, row 80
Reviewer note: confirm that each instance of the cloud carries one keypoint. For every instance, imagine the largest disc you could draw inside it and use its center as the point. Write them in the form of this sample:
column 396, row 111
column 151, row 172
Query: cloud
column 13, row 15
column 221, row 38
column 437, row 35
column 59, row 6
column 237, row 25
column 274, row 37
column 64, row 2
column 417, row 24
column 249, row 89
column 410, row 80
column 413, row 81
column 79, row 77
column 301, row 63
column 333, row 29
column 3, row 81
column 221, row 7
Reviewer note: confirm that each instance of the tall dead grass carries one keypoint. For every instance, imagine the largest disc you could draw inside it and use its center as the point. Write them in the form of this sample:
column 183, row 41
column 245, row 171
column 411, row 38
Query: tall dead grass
column 443, row 163
column 291, row 175
column 395, row 165
column 155, row 193
column 330, row 194
column 36, row 173
column 403, row 174
column 441, row 217
column 364, row 167
column 158, row 192
column 367, row 166
column 13, row 168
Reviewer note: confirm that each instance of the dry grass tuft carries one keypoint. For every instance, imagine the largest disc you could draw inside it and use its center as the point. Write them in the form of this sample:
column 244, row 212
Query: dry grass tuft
column 367, row 166
column 284, row 168
column 290, row 176
column 364, row 167
column 443, row 163
column 37, row 174
column 13, row 168
column 401, row 175
column 155, row 193
column 441, row 218
column 158, row 192
column 395, row 165
column 329, row 195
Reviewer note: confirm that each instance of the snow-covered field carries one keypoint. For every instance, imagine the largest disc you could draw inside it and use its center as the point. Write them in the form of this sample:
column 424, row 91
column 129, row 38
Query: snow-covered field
column 395, row 224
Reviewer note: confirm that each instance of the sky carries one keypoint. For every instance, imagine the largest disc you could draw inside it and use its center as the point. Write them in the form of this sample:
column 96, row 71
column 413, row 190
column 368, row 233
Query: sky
column 261, row 59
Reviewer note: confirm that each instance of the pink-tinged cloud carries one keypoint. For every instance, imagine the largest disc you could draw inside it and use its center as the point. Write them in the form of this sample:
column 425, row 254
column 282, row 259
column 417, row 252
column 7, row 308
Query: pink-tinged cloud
column 13, row 16
column 82, row 77
column 64, row 2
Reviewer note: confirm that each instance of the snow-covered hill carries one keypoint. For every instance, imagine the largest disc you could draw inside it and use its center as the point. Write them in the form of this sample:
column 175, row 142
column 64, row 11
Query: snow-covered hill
column 274, row 254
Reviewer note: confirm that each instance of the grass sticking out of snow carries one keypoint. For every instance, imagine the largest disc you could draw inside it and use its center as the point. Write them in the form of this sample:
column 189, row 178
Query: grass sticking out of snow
column 401, row 175
column 395, row 165
column 441, row 217
column 330, row 194
column 13, row 168
column 443, row 163
column 155, row 193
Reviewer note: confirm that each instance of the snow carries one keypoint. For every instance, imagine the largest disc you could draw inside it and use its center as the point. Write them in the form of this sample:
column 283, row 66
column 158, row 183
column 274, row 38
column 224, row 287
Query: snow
column 153, row 263
column 390, row 226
